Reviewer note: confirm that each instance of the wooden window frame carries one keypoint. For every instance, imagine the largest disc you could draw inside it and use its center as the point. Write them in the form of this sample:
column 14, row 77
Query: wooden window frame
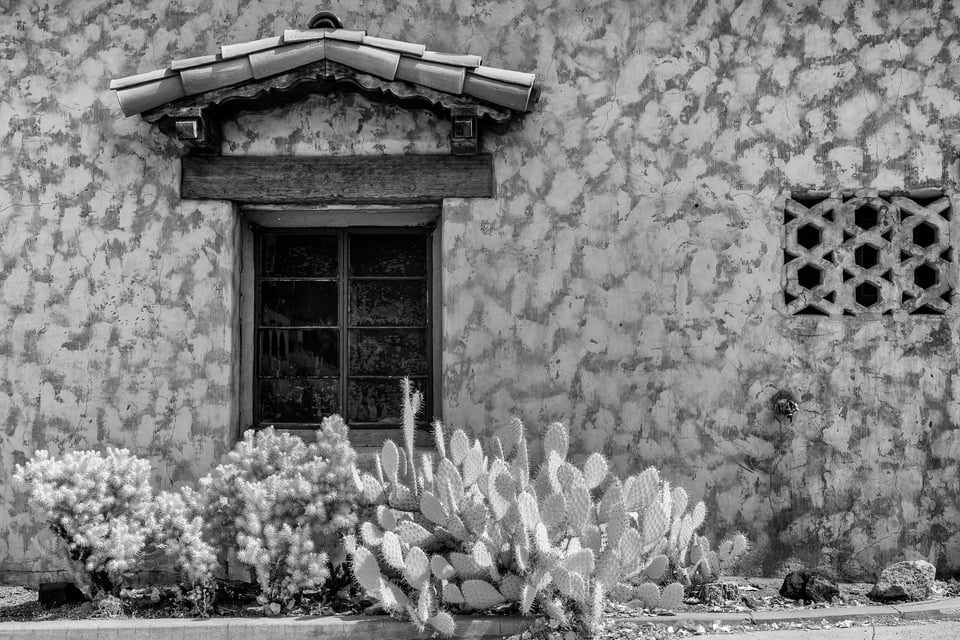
column 352, row 218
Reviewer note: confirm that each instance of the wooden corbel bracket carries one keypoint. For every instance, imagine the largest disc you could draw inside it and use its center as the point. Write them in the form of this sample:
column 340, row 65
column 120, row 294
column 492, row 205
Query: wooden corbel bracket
column 196, row 127
column 464, row 131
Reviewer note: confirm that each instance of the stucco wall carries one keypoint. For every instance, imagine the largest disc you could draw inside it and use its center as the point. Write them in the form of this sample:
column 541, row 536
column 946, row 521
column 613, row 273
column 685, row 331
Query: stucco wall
column 625, row 280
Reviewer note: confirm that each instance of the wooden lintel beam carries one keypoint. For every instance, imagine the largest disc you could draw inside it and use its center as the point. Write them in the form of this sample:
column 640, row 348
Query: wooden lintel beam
column 356, row 179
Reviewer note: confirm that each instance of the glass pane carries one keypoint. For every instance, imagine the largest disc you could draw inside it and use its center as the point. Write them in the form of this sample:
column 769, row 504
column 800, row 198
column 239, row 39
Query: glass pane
column 379, row 401
column 297, row 400
column 388, row 303
column 299, row 255
column 388, row 255
column 379, row 352
column 299, row 352
column 298, row 303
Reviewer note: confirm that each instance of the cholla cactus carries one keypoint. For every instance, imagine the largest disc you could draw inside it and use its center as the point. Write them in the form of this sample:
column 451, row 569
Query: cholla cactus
column 468, row 531
column 281, row 504
column 178, row 532
column 99, row 508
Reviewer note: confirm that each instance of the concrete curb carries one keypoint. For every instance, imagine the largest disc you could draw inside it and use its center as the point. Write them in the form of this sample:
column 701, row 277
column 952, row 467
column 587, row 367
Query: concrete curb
column 312, row 628
column 384, row 628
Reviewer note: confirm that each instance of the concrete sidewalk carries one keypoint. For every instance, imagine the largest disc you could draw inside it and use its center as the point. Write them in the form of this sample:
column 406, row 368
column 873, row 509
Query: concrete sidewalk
column 942, row 630
column 936, row 609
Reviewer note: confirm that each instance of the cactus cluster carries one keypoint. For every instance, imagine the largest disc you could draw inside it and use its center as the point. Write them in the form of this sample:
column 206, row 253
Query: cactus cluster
column 698, row 564
column 467, row 530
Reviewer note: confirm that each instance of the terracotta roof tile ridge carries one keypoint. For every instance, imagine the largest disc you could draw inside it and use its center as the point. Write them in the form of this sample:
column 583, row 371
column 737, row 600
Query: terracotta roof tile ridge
column 388, row 59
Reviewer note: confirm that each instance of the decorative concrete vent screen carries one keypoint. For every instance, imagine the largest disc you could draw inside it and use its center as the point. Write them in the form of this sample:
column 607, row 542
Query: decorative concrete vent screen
column 860, row 254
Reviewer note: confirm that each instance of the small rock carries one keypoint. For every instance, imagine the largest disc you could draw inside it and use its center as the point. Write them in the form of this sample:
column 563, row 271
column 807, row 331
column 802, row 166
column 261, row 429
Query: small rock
column 54, row 594
column 908, row 580
column 809, row 586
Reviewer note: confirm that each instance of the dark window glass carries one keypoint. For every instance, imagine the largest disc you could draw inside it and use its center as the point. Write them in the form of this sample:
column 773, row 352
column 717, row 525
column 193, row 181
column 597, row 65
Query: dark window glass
column 298, row 400
column 388, row 303
column 292, row 303
column 388, row 255
column 299, row 255
column 388, row 352
column 309, row 353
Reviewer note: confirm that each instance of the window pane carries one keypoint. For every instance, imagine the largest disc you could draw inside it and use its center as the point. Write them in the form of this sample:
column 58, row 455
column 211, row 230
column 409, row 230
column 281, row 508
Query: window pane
column 379, row 401
column 379, row 352
column 299, row 352
column 298, row 303
column 388, row 255
column 297, row 400
column 299, row 255
column 388, row 303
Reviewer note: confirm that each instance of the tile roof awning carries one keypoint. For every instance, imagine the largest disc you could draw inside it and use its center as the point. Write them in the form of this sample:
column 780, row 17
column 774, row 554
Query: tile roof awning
column 263, row 73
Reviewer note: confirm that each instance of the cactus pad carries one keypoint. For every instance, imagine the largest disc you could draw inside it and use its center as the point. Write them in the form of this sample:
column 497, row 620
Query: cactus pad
column 512, row 587
column 431, row 508
column 580, row 562
column 441, row 568
column 372, row 490
column 655, row 568
column 480, row 595
column 465, row 566
column 413, row 534
column 392, row 551
column 579, row 506
column 472, row 465
column 698, row 515
column 553, row 510
column 386, row 518
column 417, row 568
column 649, row 594
column 631, row 546
column 672, row 596
column 442, row 623
column 679, row 498
column 370, row 536
column 527, row 508
column 403, row 498
column 459, row 446
column 595, row 470
column 367, row 571
column 390, row 459
column 451, row 594
column 556, row 439
column 655, row 523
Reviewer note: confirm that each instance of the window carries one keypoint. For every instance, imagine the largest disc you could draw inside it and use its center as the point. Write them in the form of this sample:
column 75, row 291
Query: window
column 339, row 315
column 868, row 254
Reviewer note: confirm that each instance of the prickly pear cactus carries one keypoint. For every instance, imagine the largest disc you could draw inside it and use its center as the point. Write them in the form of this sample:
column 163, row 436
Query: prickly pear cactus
column 470, row 528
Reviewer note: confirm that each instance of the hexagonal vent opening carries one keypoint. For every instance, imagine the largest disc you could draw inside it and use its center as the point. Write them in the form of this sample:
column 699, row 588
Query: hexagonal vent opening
column 808, row 236
column 866, row 294
column 866, row 256
column 866, row 217
column 926, row 276
column 808, row 276
column 924, row 235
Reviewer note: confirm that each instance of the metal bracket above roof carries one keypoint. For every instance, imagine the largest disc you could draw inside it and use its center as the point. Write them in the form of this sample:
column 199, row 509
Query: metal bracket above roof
column 189, row 99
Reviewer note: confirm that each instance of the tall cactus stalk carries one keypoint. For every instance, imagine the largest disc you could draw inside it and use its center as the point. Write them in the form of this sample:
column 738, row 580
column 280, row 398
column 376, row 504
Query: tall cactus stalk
column 467, row 531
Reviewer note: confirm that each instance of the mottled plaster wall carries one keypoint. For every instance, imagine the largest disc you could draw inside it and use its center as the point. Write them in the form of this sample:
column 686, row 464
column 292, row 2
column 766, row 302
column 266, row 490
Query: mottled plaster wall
column 626, row 279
